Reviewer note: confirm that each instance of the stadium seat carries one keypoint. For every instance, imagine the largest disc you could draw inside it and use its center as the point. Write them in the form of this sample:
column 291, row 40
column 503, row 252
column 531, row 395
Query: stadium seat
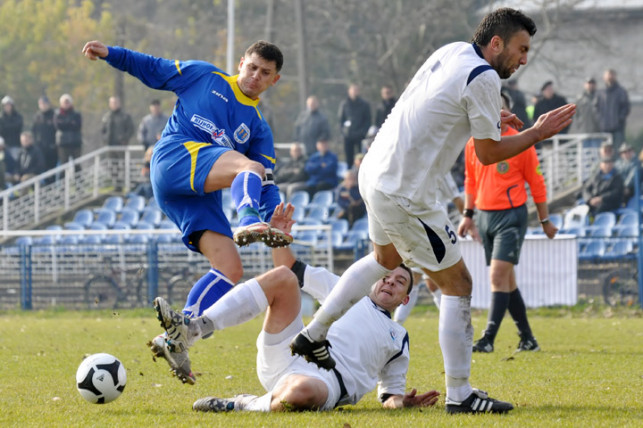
column 316, row 212
column 167, row 224
column 114, row 203
column 628, row 218
column 152, row 216
column 151, row 203
column 323, row 198
column 339, row 225
column 336, row 239
column 83, row 217
column 24, row 240
column 556, row 220
column 299, row 199
column 361, row 225
column 136, row 203
column 621, row 249
column 105, row 216
column 351, row 239
column 598, row 232
column 576, row 217
column 592, row 251
column 307, row 236
column 604, row 219
column 129, row 217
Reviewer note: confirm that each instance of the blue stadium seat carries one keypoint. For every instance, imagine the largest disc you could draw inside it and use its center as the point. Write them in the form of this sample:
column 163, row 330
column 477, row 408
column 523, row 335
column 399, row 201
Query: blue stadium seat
column 351, row 239
column 592, row 251
column 336, row 239
column 605, row 219
column 316, row 212
column 114, row 203
column 152, row 216
column 576, row 217
column 105, row 216
column 628, row 218
column 620, row 250
column 557, row 220
column 339, row 225
column 129, row 216
column 151, row 203
column 83, row 217
column 299, row 199
column 136, row 203
column 342, row 167
column 307, row 236
column 323, row 197
column 361, row 224
column 598, row 232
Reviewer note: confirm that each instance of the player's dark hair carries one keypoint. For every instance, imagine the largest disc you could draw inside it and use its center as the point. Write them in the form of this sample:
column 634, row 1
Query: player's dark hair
column 406, row 268
column 267, row 51
column 503, row 22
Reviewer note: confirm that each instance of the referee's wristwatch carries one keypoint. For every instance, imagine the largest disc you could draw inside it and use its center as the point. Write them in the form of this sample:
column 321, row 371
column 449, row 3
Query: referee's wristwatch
column 545, row 220
column 468, row 212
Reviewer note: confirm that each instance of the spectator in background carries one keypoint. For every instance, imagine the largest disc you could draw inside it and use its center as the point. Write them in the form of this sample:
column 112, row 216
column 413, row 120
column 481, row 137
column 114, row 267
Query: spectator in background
column 321, row 168
column 44, row 133
column 291, row 174
column 30, row 160
column 518, row 103
column 349, row 200
column 386, row 105
column 5, row 167
column 603, row 191
column 586, row 119
column 311, row 126
column 144, row 189
column 151, row 126
column 549, row 100
column 626, row 166
column 118, row 127
column 68, row 123
column 10, row 126
column 354, row 120
column 613, row 106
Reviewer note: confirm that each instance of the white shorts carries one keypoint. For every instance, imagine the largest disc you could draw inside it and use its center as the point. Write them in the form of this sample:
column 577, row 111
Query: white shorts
column 275, row 363
column 423, row 235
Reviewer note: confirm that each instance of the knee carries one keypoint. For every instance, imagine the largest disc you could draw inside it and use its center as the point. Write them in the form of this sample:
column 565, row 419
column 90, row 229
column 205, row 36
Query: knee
column 285, row 278
column 232, row 269
column 302, row 395
column 255, row 167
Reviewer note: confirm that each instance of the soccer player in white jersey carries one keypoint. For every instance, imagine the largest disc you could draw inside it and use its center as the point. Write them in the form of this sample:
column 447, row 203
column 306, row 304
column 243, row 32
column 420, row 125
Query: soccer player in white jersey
column 454, row 95
column 374, row 355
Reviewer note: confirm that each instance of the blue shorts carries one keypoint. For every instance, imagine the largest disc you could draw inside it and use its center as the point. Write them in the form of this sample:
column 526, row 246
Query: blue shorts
column 178, row 171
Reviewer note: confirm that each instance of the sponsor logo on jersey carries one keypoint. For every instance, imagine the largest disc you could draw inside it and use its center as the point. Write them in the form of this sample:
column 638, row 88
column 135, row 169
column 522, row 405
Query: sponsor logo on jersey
column 538, row 170
column 220, row 95
column 242, row 134
column 393, row 335
column 218, row 135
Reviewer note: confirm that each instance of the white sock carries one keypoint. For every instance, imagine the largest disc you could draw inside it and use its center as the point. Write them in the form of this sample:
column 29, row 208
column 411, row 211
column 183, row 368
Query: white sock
column 456, row 341
column 241, row 304
column 403, row 311
column 437, row 295
column 354, row 284
column 252, row 403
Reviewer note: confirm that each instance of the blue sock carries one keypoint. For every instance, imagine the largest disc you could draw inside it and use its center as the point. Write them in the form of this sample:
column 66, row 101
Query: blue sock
column 205, row 292
column 246, row 193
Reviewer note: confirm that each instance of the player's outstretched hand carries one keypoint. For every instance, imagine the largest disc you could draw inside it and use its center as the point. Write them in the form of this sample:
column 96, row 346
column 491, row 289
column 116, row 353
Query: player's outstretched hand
column 423, row 400
column 94, row 50
column 552, row 122
column 282, row 217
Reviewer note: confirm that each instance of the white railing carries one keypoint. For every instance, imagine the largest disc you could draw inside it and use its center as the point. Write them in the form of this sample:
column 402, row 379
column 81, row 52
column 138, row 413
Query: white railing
column 569, row 160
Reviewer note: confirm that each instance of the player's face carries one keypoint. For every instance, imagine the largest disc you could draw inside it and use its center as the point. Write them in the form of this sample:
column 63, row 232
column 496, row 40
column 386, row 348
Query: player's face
column 392, row 290
column 256, row 75
column 513, row 55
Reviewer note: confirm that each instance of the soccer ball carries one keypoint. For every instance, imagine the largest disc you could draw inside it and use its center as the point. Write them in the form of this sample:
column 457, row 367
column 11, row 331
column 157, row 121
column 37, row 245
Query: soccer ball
column 101, row 378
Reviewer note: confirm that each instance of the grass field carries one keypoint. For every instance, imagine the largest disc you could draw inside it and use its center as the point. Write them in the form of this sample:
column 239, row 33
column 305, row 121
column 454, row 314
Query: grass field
column 588, row 374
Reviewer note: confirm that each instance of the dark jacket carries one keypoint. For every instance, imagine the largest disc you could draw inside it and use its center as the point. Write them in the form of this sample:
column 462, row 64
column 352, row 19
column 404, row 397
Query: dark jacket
column 291, row 171
column 68, row 128
column 310, row 127
column 545, row 105
column 609, row 187
column 383, row 111
column 358, row 113
column 44, row 135
column 117, row 128
column 613, row 105
column 322, row 169
column 585, row 120
column 11, row 127
column 30, row 161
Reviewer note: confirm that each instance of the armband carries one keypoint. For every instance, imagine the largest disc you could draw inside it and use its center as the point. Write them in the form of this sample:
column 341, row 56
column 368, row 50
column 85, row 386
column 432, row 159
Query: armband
column 299, row 268
column 385, row 397
column 468, row 212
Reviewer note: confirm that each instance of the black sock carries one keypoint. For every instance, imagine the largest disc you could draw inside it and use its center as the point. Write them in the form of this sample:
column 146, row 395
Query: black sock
column 518, row 312
column 499, row 303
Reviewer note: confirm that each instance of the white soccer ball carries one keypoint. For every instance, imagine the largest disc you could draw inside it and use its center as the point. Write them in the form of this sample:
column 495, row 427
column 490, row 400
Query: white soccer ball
column 101, row 378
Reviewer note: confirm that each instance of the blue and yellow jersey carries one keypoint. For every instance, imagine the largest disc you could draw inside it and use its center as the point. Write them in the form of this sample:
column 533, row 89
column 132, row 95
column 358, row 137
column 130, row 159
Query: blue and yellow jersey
column 210, row 108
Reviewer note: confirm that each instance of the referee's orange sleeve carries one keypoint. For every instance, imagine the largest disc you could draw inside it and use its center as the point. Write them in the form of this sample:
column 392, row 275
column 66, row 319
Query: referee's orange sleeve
column 501, row 186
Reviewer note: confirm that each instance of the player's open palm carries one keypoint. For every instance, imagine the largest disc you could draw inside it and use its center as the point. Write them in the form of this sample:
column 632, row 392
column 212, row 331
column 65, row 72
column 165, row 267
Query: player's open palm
column 412, row 399
column 552, row 122
column 282, row 217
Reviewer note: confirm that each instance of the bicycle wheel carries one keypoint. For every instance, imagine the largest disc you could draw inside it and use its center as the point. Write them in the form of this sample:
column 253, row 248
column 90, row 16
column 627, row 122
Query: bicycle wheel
column 178, row 288
column 102, row 292
column 620, row 288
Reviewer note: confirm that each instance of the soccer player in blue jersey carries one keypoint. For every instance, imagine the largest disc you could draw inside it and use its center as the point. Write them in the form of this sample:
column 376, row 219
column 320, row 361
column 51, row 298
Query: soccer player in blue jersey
column 215, row 138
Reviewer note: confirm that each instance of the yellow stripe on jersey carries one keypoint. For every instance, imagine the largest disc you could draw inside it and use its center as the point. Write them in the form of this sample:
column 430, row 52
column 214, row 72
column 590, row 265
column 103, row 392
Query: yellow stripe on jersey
column 193, row 148
column 177, row 64
column 273, row 160
column 240, row 96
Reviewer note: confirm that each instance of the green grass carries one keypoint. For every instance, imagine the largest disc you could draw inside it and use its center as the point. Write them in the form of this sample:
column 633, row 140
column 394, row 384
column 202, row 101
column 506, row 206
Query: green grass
column 589, row 373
